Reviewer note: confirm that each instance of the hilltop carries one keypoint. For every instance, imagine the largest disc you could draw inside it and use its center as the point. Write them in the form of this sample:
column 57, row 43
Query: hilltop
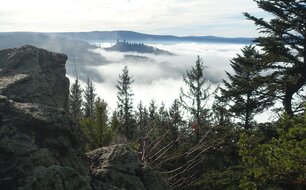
column 124, row 46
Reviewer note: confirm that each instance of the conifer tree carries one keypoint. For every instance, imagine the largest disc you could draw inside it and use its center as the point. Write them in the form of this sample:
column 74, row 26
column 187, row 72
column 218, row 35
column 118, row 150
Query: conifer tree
column 90, row 96
column 103, row 133
column 175, row 119
column 141, row 119
column 75, row 102
column 196, row 97
column 125, row 104
column 115, row 122
column 284, row 44
column 221, row 113
column 96, row 128
column 152, row 110
column 163, row 116
column 249, row 96
column 142, row 129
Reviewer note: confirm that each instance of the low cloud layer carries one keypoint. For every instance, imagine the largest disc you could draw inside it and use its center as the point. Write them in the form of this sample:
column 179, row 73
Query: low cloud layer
column 160, row 77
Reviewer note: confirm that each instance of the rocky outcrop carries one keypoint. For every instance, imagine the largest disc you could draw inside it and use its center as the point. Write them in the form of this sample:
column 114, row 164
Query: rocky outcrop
column 118, row 167
column 40, row 147
column 29, row 74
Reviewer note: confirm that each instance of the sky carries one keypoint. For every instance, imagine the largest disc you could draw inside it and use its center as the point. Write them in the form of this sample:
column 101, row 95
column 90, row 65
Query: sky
column 175, row 17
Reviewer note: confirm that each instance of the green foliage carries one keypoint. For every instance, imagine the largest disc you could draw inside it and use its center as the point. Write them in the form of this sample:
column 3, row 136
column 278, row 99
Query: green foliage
column 280, row 161
column 115, row 123
column 75, row 102
column 96, row 128
column 221, row 113
column 196, row 97
column 125, row 104
column 221, row 163
column 175, row 120
column 90, row 98
column 248, row 95
column 283, row 46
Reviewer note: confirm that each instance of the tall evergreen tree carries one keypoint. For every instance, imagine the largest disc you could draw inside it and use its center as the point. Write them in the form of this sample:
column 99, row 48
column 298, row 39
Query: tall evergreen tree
column 176, row 119
column 163, row 116
column 103, row 134
column 96, row 128
column 141, row 119
column 249, row 96
column 90, row 96
column 75, row 102
column 125, row 104
column 284, row 46
column 195, row 99
column 152, row 110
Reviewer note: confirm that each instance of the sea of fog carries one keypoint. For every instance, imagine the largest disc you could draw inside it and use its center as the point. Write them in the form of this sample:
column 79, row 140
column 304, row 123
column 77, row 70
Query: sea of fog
column 160, row 77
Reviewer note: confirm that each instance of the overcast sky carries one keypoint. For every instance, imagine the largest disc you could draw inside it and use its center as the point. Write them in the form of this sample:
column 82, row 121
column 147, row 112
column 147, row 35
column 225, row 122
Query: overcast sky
column 177, row 17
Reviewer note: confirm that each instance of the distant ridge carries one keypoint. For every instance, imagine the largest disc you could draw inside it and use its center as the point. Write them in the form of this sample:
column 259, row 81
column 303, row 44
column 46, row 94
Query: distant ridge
column 136, row 36
column 124, row 46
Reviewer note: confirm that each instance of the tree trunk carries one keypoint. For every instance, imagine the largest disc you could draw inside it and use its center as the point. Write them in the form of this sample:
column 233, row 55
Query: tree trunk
column 290, row 90
column 247, row 112
column 288, row 103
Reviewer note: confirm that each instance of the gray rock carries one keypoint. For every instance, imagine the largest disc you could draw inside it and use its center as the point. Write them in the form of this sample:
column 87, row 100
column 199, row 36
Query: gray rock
column 118, row 167
column 33, row 141
column 40, row 147
column 32, row 75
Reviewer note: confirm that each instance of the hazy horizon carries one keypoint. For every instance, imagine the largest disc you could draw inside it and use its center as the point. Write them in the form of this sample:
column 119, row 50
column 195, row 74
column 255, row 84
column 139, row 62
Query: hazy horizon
column 221, row 18
column 147, row 33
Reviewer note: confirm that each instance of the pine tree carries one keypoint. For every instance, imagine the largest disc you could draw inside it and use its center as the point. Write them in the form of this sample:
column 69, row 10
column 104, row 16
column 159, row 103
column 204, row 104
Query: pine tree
column 90, row 96
column 125, row 104
column 115, row 122
column 142, row 120
column 195, row 99
column 163, row 116
column 152, row 111
column 142, row 129
column 96, row 128
column 176, row 120
column 284, row 44
column 221, row 112
column 249, row 96
column 103, row 134
column 75, row 102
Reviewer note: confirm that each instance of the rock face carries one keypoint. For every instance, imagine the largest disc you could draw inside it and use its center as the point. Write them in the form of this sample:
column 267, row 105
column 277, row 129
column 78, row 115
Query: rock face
column 40, row 148
column 118, row 167
column 29, row 74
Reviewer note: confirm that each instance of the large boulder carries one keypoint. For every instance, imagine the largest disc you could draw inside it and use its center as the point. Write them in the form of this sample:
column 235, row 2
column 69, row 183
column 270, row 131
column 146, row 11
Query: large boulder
column 33, row 140
column 118, row 167
column 30, row 74
column 40, row 147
